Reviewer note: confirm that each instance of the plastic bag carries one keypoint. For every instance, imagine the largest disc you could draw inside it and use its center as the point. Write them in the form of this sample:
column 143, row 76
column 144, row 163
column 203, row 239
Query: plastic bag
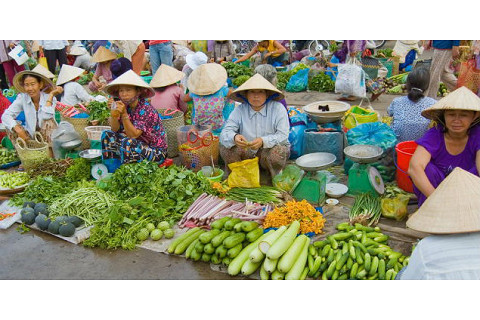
column 395, row 208
column 298, row 82
column 43, row 62
column 351, row 80
column 288, row 179
column 245, row 174
column 298, row 125
column 331, row 142
column 65, row 132
column 358, row 115
column 469, row 76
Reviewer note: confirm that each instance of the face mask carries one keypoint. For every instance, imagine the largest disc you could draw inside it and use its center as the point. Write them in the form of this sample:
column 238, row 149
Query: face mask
column 130, row 101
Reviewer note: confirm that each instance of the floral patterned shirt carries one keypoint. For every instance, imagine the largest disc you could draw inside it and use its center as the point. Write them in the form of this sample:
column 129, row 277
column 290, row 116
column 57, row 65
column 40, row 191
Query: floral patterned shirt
column 208, row 109
column 144, row 117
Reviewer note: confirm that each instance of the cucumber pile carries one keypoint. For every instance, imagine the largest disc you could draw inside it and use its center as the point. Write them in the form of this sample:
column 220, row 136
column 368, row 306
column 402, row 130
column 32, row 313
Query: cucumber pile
column 224, row 242
column 355, row 253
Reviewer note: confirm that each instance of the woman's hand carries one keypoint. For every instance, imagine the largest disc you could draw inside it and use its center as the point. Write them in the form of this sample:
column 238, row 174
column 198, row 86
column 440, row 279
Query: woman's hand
column 121, row 107
column 240, row 141
column 56, row 91
column 256, row 144
column 21, row 132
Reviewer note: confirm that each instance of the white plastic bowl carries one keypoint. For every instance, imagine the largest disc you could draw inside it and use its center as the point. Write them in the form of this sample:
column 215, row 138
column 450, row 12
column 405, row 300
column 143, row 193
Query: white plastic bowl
column 336, row 190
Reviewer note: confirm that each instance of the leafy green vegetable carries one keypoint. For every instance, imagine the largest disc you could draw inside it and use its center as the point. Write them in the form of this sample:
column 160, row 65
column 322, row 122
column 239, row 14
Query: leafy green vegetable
column 79, row 170
column 238, row 81
column 44, row 189
column 321, row 82
column 284, row 77
column 99, row 111
column 235, row 70
column 85, row 79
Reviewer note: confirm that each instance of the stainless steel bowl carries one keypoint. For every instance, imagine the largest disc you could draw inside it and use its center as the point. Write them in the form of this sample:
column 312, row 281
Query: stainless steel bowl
column 363, row 153
column 70, row 145
column 90, row 154
column 316, row 161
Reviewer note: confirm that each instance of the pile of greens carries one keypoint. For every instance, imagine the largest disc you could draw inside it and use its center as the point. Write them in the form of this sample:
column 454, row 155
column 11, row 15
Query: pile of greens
column 98, row 111
column 284, row 77
column 85, row 79
column 79, row 170
column 44, row 189
column 235, row 70
column 238, row 81
column 322, row 83
column 384, row 53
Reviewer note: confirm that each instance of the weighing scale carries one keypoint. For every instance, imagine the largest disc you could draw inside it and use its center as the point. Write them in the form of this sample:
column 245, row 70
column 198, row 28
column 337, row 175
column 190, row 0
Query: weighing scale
column 99, row 170
column 326, row 111
column 313, row 183
column 362, row 177
column 67, row 149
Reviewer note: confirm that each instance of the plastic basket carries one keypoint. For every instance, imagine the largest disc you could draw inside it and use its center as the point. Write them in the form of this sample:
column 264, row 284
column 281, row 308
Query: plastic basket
column 32, row 152
column 389, row 64
column 200, row 152
column 171, row 125
column 95, row 132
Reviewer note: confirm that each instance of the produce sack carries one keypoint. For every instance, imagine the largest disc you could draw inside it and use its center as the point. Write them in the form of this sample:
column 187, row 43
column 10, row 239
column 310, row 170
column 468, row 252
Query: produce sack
column 298, row 124
column 469, row 76
column 351, row 80
column 298, row 82
column 245, row 174
column 378, row 134
column 395, row 208
column 331, row 142
column 288, row 179
column 43, row 62
column 358, row 115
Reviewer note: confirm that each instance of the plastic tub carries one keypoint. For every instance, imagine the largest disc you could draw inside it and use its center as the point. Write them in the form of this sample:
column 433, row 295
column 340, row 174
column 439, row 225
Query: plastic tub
column 217, row 178
column 405, row 152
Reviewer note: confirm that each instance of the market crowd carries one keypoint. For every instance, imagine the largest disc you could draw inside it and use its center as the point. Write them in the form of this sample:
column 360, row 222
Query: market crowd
column 251, row 119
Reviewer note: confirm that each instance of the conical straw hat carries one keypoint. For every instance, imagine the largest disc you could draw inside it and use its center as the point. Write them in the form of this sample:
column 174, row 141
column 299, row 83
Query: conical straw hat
column 44, row 71
column 166, row 76
column 256, row 82
column 460, row 99
column 17, row 81
column 129, row 78
column 77, row 51
column 207, row 79
column 454, row 207
column 103, row 54
column 68, row 73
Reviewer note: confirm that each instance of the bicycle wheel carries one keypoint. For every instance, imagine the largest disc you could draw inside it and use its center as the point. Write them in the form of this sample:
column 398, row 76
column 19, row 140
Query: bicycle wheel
column 378, row 43
column 316, row 46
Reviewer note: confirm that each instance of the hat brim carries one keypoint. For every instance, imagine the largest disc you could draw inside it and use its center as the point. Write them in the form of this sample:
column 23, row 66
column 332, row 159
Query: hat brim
column 241, row 96
column 145, row 92
column 48, row 83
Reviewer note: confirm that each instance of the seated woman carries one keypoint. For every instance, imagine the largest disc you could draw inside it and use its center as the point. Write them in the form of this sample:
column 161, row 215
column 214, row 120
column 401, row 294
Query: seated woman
column 36, row 99
column 257, row 127
column 104, row 58
column 408, row 123
column 454, row 142
column 73, row 92
column 271, row 51
column 168, row 94
column 137, row 132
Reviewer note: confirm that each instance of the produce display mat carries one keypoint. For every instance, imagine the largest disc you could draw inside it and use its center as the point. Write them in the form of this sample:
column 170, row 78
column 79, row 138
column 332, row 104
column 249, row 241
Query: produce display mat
column 5, row 207
column 162, row 245
column 81, row 233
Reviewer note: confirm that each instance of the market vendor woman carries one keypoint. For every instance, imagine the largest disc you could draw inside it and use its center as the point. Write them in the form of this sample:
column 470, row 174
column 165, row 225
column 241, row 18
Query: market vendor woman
column 36, row 99
column 137, row 132
column 257, row 127
column 454, row 142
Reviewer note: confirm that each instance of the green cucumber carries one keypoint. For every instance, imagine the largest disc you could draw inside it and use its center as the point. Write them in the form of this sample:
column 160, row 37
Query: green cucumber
column 231, row 223
column 248, row 226
column 218, row 239
column 174, row 243
column 381, row 269
column 208, row 236
column 218, row 224
column 221, row 252
column 342, row 261
column 209, row 249
column 254, row 234
column 316, row 266
column 195, row 256
column 190, row 249
column 333, row 242
column 331, row 269
column 304, row 274
column 235, row 251
column 374, row 266
column 343, row 277
column 326, row 250
column 311, row 250
column 238, row 227
column 237, row 263
column 320, row 244
column 233, row 240
column 206, row 257
column 342, row 236
column 368, row 261
column 215, row 259
column 182, row 246
column 199, row 247
column 353, row 271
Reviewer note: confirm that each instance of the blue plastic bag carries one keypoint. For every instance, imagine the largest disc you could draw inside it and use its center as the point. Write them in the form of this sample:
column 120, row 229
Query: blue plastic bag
column 331, row 142
column 298, row 125
column 299, row 81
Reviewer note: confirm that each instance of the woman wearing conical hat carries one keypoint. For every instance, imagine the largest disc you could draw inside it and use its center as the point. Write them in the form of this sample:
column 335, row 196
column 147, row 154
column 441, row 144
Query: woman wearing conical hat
column 103, row 57
column 168, row 93
column 258, row 127
column 454, row 142
column 450, row 221
column 137, row 131
column 73, row 92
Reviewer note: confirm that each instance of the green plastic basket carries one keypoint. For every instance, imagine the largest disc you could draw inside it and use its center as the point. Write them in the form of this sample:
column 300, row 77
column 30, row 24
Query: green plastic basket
column 388, row 65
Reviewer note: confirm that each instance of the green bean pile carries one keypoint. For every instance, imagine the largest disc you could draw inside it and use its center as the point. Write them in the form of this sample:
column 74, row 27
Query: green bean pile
column 89, row 204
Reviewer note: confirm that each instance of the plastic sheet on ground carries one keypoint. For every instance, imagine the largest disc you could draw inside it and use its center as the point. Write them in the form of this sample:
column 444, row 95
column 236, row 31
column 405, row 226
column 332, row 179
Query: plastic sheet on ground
column 81, row 233
column 5, row 207
column 162, row 245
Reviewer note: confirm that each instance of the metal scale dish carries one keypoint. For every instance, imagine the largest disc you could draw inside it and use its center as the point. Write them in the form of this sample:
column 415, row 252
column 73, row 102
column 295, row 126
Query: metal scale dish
column 362, row 177
column 313, row 184
column 99, row 170
column 326, row 111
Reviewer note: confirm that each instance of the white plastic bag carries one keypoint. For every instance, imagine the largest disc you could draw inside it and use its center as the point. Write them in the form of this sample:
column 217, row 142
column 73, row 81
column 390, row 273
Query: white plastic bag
column 351, row 80
column 19, row 55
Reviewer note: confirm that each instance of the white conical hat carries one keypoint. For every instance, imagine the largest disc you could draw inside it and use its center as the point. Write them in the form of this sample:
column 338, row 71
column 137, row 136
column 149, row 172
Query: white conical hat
column 460, row 99
column 166, row 76
column 129, row 78
column 207, row 79
column 103, row 54
column 68, row 73
column 454, row 206
column 43, row 71
column 256, row 82
column 77, row 51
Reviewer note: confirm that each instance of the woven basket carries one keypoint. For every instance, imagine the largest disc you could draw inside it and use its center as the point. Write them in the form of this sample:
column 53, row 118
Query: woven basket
column 95, row 132
column 80, row 124
column 195, row 155
column 32, row 152
column 388, row 64
column 171, row 125
column 371, row 66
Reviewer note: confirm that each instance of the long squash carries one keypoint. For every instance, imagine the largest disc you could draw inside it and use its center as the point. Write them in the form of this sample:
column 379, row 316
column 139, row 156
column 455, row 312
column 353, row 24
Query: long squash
column 266, row 243
column 236, row 264
column 182, row 246
column 174, row 243
column 295, row 272
column 284, row 242
column 288, row 258
column 270, row 265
